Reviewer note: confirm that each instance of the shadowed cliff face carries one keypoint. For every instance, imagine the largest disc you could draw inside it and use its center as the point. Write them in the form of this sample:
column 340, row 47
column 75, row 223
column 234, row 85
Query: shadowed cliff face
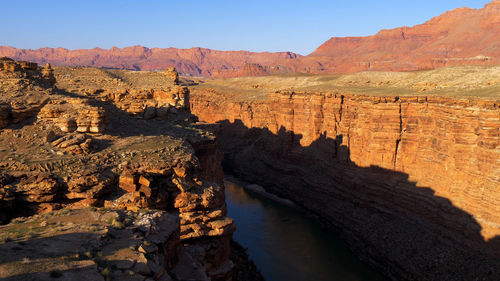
column 410, row 182
column 450, row 145
column 407, row 231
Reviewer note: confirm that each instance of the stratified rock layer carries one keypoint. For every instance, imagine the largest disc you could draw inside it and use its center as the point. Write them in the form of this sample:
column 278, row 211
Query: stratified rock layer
column 412, row 182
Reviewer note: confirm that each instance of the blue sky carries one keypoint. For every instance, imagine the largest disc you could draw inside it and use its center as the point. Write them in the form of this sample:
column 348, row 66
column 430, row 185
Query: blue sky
column 298, row 26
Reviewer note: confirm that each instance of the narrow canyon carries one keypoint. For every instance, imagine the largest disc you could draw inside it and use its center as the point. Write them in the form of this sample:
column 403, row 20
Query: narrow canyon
column 411, row 182
column 135, row 161
column 371, row 158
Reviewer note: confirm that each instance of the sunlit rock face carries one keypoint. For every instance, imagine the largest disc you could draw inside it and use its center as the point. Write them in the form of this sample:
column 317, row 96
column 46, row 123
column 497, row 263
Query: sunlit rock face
column 417, row 174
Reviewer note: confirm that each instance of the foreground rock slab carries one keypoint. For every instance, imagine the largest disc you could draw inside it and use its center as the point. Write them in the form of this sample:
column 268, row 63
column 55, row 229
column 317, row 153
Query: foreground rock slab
column 90, row 244
column 76, row 137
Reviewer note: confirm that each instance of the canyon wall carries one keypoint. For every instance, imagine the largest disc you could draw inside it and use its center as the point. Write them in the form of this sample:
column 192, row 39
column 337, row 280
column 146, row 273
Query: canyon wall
column 411, row 182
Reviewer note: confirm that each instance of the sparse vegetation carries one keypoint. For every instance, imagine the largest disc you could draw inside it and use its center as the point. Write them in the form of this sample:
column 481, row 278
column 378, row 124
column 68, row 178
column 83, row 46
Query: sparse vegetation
column 117, row 224
column 88, row 254
column 106, row 273
column 463, row 81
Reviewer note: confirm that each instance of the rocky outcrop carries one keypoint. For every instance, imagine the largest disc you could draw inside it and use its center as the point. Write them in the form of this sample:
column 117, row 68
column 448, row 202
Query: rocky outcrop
column 172, row 74
column 74, row 143
column 143, row 94
column 24, row 88
column 411, row 182
column 72, row 115
column 99, row 140
column 12, row 71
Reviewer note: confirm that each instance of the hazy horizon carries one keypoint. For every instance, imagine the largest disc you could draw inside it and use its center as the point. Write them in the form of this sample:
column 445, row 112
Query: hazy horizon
column 260, row 26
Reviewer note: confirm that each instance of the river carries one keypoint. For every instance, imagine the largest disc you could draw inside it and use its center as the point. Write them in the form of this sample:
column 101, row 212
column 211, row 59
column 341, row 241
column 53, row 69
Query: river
column 286, row 245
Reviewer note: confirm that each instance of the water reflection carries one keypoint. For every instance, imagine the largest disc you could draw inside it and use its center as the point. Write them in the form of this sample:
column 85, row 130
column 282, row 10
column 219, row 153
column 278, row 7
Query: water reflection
column 287, row 245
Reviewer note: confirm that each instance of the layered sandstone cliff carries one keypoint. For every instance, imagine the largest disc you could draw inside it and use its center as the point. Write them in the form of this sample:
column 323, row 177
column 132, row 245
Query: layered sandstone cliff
column 411, row 182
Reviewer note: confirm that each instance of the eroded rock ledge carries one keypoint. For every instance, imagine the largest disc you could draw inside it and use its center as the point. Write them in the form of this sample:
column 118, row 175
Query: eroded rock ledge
column 411, row 182
column 115, row 139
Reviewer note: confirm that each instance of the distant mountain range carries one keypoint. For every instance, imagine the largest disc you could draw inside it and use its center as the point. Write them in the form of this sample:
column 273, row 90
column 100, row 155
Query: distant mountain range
column 460, row 37
column 194, row 61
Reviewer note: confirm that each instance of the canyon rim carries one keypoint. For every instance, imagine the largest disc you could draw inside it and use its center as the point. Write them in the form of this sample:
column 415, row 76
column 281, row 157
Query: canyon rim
column 113, row 161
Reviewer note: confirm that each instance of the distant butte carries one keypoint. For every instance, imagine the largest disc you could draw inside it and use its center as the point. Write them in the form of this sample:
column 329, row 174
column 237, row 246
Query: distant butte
column 463, row 36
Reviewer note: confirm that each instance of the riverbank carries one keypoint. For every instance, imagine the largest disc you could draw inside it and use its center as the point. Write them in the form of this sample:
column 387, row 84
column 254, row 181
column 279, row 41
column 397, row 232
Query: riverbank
column 244, row 268
column 286, row 244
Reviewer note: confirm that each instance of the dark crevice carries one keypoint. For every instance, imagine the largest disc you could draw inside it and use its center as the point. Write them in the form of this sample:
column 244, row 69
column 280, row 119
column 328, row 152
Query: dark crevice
column 398, row 140
column 385, row 217
column 341, row 107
